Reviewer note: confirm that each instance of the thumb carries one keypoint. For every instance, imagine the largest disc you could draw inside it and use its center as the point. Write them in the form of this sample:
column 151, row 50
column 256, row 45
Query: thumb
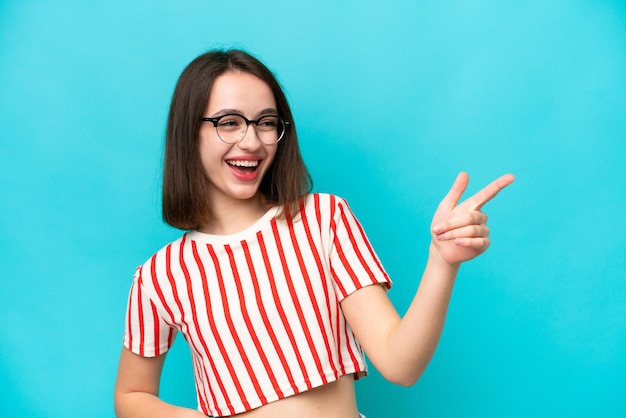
column 456, row 191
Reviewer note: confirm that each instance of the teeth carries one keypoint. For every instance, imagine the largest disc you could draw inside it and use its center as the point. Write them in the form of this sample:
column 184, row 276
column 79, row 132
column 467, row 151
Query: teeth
column 243, row 163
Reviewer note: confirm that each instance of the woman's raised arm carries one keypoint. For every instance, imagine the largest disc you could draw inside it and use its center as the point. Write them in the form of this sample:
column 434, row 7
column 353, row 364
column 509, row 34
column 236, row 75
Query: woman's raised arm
column 401, row 348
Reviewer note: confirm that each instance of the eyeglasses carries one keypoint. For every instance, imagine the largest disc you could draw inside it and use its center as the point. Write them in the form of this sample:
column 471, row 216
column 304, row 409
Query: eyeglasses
column 232, row 128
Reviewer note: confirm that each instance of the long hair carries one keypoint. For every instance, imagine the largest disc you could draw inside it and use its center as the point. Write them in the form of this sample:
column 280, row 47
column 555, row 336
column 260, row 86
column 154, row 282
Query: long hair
column 185, row 199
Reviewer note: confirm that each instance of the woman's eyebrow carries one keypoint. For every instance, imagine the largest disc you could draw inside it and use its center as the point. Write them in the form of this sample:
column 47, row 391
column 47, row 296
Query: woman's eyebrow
column 228, row 111
column 268, row 111
column 222, row 112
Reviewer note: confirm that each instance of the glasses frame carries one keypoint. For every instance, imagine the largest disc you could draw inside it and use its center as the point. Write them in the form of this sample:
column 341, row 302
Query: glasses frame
column 255, row 122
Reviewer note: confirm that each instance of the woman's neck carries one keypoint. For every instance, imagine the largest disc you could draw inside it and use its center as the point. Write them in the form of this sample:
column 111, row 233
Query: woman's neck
column 234, row 216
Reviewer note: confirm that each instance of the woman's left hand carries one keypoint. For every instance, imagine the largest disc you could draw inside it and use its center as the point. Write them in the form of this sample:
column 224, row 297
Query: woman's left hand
column 459, row 231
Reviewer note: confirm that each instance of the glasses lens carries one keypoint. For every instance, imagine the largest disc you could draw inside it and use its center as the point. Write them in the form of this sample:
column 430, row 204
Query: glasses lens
column 270, row 129
column 232, row 129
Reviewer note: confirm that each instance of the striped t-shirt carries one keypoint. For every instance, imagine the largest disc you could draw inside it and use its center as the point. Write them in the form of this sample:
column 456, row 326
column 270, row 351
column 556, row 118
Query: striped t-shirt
column 259, row 308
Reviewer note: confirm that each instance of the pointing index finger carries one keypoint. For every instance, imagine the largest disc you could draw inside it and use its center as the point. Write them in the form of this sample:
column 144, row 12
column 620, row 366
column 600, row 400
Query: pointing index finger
column 478, row 200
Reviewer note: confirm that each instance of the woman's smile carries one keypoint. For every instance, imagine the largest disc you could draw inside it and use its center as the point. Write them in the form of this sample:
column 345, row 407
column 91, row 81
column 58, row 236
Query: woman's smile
column 244, row 169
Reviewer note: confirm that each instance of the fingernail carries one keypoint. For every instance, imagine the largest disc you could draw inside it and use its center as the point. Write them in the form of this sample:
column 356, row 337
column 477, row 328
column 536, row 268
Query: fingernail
column 437, row 229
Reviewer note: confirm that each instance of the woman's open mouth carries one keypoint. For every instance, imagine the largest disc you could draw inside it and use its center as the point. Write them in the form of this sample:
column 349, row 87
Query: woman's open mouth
column 244, row 165
column 244, row 169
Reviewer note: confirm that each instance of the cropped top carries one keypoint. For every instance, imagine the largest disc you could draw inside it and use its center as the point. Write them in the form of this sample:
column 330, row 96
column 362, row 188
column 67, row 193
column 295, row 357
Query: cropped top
column 260, row 308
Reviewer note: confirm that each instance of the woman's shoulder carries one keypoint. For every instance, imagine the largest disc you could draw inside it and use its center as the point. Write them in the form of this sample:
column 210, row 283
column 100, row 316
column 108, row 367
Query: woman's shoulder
column 326, row 208
column 165, row 251
column 324, row 199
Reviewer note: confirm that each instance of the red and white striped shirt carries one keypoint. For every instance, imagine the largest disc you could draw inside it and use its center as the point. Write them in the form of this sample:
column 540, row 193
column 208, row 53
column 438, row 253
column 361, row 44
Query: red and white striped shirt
column 259, row 308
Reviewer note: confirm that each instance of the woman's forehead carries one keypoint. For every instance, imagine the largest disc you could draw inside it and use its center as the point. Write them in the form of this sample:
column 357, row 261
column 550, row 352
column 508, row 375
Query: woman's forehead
column 240, row 91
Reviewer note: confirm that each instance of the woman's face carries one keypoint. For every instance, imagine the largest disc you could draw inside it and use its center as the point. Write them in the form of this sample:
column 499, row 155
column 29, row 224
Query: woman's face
column 235, row 170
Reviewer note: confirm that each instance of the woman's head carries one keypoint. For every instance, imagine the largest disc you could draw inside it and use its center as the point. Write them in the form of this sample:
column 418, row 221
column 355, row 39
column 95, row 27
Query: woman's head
column 185, row 185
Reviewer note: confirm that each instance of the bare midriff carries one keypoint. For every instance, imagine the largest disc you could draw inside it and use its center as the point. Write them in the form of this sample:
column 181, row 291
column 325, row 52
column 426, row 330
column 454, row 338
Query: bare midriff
column 332, row 400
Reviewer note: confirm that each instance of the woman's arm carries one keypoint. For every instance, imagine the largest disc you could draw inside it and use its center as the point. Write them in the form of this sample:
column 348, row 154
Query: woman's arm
column 401, row 348
column 137, row 389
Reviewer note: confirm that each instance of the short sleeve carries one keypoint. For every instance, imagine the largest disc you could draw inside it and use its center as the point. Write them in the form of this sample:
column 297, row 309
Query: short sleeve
column 146, row 333
column 353, row 262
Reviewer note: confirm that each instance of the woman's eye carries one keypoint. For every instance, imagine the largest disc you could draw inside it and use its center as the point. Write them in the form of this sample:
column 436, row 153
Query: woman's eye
column 229, row 123
column 268, row 123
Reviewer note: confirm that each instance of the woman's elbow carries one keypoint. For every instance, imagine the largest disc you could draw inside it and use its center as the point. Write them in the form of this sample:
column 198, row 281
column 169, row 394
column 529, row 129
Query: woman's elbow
column 404, row 378
column 405, row 381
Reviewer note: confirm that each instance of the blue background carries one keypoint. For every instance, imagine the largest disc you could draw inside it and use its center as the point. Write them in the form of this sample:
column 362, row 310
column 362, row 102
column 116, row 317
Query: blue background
column 391, row 99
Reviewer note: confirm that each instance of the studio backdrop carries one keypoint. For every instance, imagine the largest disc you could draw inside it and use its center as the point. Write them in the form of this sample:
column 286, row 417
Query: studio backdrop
column 391, row 100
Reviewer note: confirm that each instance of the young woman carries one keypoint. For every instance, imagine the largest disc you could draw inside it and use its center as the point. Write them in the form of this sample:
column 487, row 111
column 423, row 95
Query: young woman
column 277, row 290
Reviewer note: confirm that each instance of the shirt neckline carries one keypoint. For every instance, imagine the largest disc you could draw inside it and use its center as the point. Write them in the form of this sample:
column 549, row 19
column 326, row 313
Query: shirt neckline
column 237, row 236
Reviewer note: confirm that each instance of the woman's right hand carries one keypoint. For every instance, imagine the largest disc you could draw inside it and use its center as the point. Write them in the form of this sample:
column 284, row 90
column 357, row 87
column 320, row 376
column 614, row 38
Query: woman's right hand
column 459, row 231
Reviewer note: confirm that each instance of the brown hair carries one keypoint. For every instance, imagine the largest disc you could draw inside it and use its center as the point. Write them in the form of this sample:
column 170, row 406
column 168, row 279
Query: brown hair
column 185, row 202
